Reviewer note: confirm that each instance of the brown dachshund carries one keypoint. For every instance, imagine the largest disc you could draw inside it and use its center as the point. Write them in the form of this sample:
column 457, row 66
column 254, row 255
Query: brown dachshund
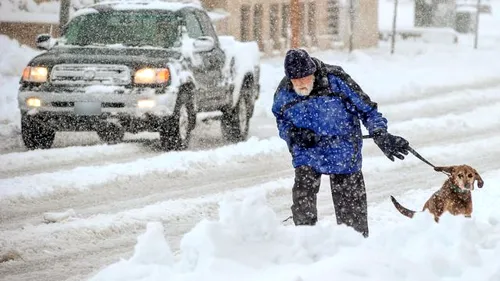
column 454, row 196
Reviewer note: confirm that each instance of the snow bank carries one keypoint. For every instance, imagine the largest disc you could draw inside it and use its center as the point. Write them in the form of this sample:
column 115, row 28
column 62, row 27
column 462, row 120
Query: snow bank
column 12, row 62
column 70, row 180
column 249, row 242
column 152, row 257
column 14, row 56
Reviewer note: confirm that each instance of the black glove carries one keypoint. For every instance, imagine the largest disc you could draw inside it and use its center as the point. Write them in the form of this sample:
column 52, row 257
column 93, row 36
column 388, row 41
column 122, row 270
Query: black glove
column 392, row 146
column 302, row 137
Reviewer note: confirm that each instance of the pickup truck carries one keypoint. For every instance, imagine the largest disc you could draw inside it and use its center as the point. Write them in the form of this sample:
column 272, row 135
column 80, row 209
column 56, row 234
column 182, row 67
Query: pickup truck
column 138, row 67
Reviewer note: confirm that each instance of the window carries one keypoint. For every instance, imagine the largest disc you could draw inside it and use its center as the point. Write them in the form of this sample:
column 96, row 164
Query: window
column 257, row 25
column 206, row 25
column 285, row 20
column 333, row 17
column 302, row 24
column 130, row 29
column 311, row 23
column 274, row 25
column 193, row 25
column 244, row 23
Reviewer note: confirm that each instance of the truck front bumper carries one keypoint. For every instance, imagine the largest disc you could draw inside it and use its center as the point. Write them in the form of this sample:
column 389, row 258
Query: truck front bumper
column 84, row 111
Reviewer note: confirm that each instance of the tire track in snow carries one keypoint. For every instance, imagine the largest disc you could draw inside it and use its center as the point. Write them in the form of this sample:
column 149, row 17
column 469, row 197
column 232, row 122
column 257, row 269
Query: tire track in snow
column 32, row 162
column 37, row 161
column 180, row 209
column 143, row 145
column 437, row 105
column 120, row 193
column 40, row 185
column 124, row 195
column 413, row 94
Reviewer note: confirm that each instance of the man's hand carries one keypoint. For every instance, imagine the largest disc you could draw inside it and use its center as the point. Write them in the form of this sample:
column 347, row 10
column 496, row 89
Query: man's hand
column 392, row 146
column 302, row 137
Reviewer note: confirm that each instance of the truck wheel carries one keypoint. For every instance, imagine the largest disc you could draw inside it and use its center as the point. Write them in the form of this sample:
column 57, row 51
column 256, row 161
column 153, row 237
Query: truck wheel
column 175, row 132
column 235, row 122
column 36, row 136
column 110, row 133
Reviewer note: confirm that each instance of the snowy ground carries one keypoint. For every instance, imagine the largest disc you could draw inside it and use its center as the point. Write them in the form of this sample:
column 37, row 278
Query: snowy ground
column 85, row 210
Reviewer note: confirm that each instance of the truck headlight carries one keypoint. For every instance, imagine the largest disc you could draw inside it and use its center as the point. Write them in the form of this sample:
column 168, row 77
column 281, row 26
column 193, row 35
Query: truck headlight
column 151, row 76
column 33, row 102
column 35, row 74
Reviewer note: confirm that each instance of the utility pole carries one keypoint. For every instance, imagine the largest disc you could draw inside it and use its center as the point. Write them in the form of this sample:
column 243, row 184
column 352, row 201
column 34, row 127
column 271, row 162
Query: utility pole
column 64, row 14
column 351, row 25
column 476, row 31
column 295, row 15
column 394, row 19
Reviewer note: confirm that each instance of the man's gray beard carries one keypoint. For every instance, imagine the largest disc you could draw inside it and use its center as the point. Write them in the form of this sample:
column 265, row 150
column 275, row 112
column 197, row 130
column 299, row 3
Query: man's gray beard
column 304, row 92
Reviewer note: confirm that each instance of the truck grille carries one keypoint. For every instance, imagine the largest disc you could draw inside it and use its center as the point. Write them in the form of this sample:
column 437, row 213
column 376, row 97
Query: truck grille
column 90, row 74
column 72, row 104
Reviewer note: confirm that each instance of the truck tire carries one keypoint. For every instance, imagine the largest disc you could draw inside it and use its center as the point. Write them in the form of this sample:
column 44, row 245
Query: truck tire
column 175, row 132
column 36, row 136
column 235, row 122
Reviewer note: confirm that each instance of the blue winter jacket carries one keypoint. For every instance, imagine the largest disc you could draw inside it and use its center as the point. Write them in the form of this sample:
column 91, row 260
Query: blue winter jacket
column 334, row 111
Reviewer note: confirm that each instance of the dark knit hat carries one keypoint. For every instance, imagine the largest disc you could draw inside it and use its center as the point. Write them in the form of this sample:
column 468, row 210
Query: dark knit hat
column 298, row 64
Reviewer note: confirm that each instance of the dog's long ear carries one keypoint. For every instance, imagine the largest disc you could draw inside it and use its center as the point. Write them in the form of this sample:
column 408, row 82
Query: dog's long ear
column 480, row 181
column 447, row 169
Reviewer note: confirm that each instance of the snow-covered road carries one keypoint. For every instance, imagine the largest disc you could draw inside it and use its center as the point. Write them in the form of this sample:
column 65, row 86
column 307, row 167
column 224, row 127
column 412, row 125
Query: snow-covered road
column 113, row 191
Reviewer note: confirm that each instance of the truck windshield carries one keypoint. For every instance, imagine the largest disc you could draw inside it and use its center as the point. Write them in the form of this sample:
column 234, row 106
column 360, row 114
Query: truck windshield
column 128, row 28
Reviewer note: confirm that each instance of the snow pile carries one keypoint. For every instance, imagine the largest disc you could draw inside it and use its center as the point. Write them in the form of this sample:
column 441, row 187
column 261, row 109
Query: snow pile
column 14, row 56
column 249, row 242
column 12, row 62
column 152, row 248
column 152, row 257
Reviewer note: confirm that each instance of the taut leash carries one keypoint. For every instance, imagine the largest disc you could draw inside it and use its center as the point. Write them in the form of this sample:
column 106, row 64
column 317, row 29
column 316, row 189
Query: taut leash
column 420, row 157
column 412, row 151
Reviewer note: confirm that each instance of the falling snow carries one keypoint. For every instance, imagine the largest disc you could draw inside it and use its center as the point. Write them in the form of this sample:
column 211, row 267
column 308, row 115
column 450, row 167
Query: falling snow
column 204, row 192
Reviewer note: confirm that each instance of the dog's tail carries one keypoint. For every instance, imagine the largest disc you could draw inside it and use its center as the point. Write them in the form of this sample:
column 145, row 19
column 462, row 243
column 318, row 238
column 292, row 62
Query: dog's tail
column 406, row 212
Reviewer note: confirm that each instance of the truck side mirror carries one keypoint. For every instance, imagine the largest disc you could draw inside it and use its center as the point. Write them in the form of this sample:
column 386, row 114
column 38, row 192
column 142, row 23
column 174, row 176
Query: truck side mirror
column 204, row 44
column 44, row 41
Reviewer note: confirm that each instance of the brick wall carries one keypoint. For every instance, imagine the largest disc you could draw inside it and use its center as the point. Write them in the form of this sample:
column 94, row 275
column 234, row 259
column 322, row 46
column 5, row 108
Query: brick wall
column 26, row 32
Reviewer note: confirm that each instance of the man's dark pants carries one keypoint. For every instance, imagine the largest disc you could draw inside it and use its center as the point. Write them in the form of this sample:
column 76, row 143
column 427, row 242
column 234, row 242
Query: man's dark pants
column 348, row 194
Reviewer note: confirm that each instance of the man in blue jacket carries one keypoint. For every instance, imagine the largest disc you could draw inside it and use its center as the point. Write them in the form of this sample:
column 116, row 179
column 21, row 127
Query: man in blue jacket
column 319, row 109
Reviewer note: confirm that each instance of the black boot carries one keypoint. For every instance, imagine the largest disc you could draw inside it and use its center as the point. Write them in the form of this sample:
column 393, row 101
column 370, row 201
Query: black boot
column 349, row 200
column 304, row 192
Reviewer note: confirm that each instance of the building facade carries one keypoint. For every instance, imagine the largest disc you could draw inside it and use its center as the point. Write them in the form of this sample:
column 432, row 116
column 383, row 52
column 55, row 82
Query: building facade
column 325, row 24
